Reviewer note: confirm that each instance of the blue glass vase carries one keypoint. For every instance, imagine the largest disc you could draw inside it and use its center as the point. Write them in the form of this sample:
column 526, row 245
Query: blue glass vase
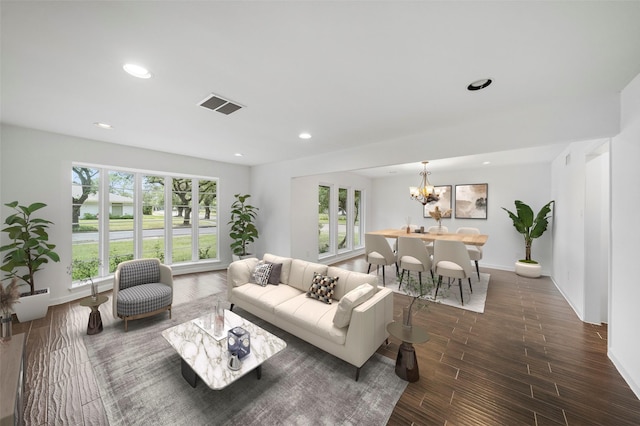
column 239, row 342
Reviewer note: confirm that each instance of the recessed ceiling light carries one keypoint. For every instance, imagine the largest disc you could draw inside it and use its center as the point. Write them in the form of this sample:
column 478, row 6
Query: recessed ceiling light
column 479, row 84
column 237, row 154
column 486, row 162
column 137, row 70
column 304, row 135
column 103, row 125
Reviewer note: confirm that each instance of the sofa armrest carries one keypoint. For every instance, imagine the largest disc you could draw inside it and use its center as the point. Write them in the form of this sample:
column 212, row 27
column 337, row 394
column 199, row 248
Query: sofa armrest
column 239, row 273
column 368, row 326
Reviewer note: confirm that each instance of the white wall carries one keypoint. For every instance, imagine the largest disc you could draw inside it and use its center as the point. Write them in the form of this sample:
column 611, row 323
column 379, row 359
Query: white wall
column 36, row 166
column 624, row 345
column 531, row 183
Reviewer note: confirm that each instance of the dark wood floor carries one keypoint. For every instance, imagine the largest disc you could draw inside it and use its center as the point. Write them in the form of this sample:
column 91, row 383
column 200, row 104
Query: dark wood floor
column 527, row 360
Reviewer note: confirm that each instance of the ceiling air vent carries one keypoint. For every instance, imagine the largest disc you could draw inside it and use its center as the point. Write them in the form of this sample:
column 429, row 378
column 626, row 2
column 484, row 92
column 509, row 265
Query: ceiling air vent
column 220, row 104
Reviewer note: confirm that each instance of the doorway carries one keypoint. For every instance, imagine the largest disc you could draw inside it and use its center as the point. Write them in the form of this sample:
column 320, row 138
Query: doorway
column 597, row 235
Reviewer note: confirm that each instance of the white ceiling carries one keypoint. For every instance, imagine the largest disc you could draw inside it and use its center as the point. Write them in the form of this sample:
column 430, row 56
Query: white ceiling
column 353, row 74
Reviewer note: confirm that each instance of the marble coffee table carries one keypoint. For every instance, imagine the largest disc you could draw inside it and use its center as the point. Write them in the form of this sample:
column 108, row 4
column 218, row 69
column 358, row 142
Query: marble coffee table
column 205, row 355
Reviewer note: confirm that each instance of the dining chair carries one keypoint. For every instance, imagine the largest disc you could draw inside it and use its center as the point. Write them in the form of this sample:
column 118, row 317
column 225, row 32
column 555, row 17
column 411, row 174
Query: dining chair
column 413, row 256
column 435, row 230
column 451, row 260
column 378, row 252
column 475, row 252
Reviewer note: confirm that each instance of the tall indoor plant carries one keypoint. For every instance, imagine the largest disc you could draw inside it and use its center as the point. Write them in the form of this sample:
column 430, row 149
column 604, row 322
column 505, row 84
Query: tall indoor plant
column 530, row 227
column 26, row 254
column 243, row 229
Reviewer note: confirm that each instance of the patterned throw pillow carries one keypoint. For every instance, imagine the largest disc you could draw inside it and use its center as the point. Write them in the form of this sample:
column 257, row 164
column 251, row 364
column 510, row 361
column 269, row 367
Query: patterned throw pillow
column 322, row 287
column 261, row 273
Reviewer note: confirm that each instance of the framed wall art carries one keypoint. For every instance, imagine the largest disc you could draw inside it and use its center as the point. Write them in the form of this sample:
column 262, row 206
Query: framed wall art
column 471, row 201
column 444, row 203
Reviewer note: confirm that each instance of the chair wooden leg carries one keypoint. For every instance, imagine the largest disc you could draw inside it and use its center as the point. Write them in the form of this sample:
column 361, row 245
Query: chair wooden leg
column 231, row 307
column 357, row 373
column 477, row 270
column 470, row 288
column 401, row 277
column 460, row 285
column 369, row 269
column 420, row 280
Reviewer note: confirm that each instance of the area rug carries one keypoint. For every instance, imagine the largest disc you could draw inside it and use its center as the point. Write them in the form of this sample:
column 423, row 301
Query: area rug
column 448, row 295
column 140, row 383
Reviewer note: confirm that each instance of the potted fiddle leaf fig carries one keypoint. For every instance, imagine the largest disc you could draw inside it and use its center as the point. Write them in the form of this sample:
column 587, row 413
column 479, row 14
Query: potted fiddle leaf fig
column 243, row 229
column 27, row 253
column 531, row 227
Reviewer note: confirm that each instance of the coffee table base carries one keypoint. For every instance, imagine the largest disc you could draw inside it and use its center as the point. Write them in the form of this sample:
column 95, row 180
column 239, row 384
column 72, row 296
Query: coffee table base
column 407, row 363
column 192, row 378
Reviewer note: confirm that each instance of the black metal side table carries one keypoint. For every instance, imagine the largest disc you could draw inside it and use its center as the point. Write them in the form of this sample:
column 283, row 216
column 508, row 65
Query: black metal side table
column 406, row 361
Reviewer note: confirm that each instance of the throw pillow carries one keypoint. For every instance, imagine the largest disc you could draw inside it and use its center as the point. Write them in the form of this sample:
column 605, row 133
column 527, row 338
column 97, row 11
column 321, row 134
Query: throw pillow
column 261, row 274
column 355, row 297
column 322, row 287
column 276, row 271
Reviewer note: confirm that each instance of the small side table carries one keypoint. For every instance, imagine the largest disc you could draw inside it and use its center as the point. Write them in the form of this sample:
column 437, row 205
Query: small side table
column 95, row 320
column 407, row 362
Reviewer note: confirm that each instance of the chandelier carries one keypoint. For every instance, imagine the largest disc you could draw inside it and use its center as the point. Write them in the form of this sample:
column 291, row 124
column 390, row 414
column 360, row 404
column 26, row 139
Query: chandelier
column 425, row 193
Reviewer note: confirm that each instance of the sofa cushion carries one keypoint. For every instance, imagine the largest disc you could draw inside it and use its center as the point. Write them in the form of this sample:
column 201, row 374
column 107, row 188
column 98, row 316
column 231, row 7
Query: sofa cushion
column 265, row 297
column 286, row 265
column 322, row 288
column 349, row 280
column 302, row 273
column 276, row 271
column 143, row 298
column 261, row 273
column 355, row 297
column 314, row 317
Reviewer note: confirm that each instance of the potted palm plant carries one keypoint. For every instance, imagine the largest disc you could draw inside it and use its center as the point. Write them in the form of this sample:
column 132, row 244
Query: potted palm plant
column 243, row 229
column 530, row 227
column 26, row 254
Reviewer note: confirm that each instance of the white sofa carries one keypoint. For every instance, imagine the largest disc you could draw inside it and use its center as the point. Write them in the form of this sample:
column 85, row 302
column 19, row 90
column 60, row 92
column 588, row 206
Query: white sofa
column 366, row 309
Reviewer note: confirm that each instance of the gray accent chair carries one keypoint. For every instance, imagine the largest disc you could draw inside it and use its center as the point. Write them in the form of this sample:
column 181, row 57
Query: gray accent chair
column 141, row 288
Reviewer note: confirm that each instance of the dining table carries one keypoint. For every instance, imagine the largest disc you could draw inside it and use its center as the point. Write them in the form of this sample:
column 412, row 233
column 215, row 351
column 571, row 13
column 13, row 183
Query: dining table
column 468, row 239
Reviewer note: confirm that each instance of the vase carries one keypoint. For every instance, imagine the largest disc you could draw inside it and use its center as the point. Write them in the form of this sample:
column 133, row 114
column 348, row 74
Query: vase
column 5, row 328
column 439, row 227
column 94, row 291
column 406, row 317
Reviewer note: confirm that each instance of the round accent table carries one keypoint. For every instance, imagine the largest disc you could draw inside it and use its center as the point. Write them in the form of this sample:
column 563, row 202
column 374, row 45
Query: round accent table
column 406, row 362
column 95, row 320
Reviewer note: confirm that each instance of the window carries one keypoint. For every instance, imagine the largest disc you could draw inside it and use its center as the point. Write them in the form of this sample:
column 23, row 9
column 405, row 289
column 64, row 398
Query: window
column 324, row 227
column 339, row 220
column 120, row 215
column 342, row 214
column 357, row 221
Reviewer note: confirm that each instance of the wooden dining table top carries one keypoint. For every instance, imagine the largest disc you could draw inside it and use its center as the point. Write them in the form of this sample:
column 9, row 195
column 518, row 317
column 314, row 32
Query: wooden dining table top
column 469, row 239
